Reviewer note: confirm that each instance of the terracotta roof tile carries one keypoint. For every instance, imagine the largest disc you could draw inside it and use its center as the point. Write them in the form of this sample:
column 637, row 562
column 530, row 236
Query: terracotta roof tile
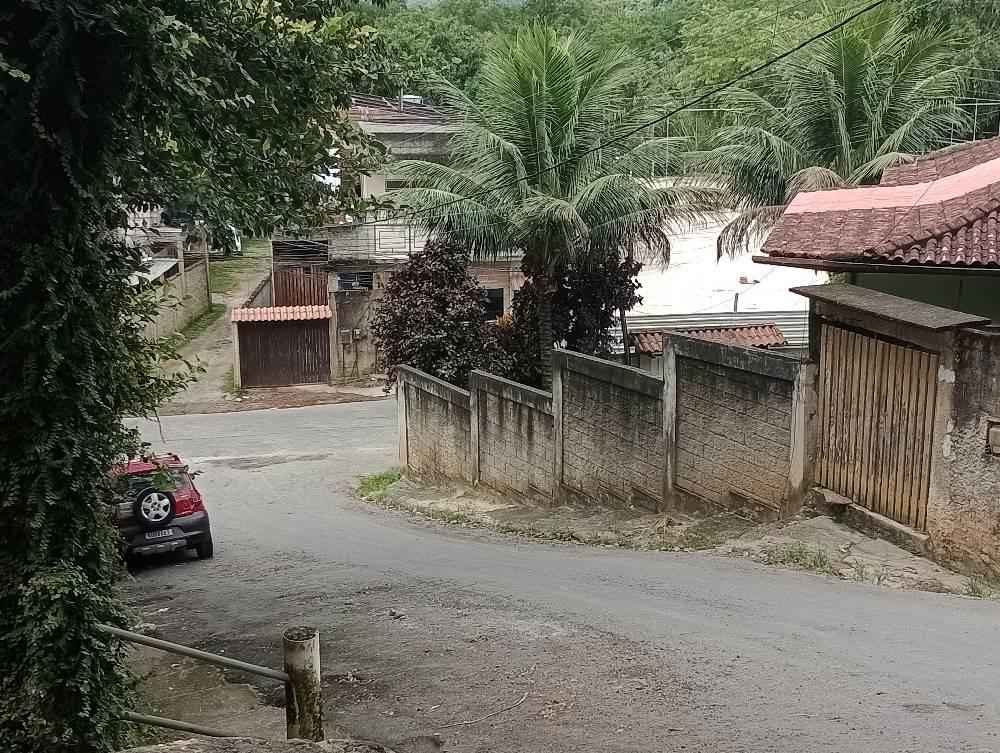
column 280, row 313
column 949, row 221
column 758, row 336
column 942, row 163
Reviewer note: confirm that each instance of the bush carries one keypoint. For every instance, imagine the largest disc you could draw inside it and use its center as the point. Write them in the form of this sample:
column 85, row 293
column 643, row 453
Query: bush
column 585, row 312
column 432, row 318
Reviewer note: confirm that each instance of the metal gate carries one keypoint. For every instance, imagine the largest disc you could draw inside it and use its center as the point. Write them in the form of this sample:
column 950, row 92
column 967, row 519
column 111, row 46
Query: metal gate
column 281, row 353
column 876, row 419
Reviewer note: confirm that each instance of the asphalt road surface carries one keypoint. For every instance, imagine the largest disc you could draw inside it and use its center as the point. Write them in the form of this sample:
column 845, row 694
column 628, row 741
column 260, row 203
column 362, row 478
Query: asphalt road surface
column 425, row 626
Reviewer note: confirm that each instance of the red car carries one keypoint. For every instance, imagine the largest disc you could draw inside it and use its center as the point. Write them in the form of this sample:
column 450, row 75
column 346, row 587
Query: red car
column 163, row 510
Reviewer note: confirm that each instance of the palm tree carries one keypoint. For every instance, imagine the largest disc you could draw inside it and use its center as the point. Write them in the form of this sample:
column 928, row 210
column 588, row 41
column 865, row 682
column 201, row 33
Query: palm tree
column 552, row 162
column 856, row 102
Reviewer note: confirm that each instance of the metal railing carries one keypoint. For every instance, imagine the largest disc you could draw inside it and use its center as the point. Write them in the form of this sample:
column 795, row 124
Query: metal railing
column 301, row 677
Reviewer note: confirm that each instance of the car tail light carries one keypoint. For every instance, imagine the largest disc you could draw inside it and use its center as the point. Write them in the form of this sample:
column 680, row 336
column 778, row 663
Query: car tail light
column 188, row 504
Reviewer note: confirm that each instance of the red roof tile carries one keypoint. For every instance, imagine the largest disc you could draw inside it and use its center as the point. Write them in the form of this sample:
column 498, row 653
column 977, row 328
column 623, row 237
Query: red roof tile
column 942, row 163
column 949, row 220
column 280, row 313
column 758, row 336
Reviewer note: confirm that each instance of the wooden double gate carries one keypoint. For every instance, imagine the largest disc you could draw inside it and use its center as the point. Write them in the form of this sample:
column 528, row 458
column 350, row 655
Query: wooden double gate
column 876, row 421
column 281, row 353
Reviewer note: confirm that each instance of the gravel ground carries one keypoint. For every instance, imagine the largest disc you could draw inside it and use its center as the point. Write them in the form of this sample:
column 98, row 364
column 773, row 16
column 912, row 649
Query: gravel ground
column 425, row 627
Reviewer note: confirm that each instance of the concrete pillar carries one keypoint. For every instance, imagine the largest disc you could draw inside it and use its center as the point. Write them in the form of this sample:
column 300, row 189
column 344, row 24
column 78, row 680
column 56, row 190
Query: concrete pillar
column 669, row 362
column 404, row 454
column 237, row 376
column 557, row 425
column 474, row 429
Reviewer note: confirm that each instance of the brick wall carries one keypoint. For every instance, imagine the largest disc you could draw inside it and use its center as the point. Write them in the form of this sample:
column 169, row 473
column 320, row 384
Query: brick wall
column 435, row 432
column 612, row 430
column 191, row 288
column 734, row 434
column 513, row 434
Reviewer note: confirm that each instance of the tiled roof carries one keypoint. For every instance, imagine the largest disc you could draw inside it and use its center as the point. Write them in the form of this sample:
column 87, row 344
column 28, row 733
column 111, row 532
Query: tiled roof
column 942, row 163
column 950, row 220
column 280, row 313
column 370, row 109
column 758, row 336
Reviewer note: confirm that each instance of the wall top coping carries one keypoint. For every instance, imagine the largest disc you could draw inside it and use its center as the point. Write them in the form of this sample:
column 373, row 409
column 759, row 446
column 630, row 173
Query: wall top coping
column 626, row 377
column 437, row 387
column 510, row 390
column 753, row 360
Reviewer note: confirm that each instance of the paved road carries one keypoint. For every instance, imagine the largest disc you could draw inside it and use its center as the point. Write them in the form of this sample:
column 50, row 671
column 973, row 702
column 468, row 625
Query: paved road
column 617, row 651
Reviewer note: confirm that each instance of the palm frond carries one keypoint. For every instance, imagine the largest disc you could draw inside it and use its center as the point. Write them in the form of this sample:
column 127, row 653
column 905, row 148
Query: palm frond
column 747, row 231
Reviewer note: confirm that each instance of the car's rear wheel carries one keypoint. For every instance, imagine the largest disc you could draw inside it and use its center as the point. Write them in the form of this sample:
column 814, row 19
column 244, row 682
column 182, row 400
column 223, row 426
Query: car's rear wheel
column 205, row 550
column 154, row 508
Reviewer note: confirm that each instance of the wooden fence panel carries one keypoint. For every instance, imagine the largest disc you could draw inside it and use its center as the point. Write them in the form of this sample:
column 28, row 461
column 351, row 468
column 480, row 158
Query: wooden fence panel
column 299, row 287
column 277, row 354
column 876, row 417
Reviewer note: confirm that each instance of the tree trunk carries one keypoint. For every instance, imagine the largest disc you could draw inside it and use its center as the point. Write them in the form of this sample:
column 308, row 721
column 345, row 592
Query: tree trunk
column 545, row 336
column 625, row 342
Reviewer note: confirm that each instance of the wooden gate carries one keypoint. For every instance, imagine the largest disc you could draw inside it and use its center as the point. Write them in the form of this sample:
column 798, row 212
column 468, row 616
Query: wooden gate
column 298, row 286
column 281, row 353
column 876, row 420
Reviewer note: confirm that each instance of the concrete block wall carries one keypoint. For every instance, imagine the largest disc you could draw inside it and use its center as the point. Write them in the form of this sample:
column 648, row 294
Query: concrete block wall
column 734, row 434
column 611, row 443
column 183, row 298
column 512, row 435
column 434, row 426
column 724, row 428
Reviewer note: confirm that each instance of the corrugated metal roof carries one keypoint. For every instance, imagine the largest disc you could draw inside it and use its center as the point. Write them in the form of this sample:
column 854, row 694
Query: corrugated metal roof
column 757, row 336
column 281, row 313
column 794, row 325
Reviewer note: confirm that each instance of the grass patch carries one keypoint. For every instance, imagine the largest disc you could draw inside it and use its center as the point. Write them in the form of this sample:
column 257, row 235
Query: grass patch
column 200, row 325
column 257, row 247
column 224, row 274
column 982, row 587
column 375, row 485
column 800, row 557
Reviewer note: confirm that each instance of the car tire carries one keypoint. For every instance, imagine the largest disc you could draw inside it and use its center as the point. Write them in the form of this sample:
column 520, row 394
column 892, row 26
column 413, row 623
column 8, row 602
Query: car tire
column 205, row 550
column 154, row 508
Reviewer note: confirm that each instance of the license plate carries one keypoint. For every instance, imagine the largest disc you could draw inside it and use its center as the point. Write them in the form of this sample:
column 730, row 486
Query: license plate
column 161, row 534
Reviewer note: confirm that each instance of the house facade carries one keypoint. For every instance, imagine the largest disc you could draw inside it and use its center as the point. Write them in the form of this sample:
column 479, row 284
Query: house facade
column 351, row 261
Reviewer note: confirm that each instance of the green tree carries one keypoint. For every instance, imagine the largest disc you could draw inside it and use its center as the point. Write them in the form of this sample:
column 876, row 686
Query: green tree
column 838, row 114
column 432, row 318
column 107, row 105
column 551, row 163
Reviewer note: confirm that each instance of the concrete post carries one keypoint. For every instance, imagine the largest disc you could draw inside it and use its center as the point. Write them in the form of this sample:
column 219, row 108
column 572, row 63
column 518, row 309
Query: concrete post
column 669, row 421
column 404, row 453
column 237, row 376
column 304, row 689
column 557, row 425
column 802, row 453
column 474, row 429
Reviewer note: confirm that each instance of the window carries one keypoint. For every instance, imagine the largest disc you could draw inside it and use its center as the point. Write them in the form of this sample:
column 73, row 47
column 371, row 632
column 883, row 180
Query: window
column 395, row 184
column 355, row 280
column 494, row 304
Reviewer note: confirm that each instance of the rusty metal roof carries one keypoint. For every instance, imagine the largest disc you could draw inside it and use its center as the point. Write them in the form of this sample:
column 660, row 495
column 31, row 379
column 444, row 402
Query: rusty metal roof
column 281, row 313
column 757, row 336
column 367, row 108
column 951, row 219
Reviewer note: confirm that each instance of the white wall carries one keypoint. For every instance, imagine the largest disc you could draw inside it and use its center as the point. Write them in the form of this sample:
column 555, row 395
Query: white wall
column 695, row 282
